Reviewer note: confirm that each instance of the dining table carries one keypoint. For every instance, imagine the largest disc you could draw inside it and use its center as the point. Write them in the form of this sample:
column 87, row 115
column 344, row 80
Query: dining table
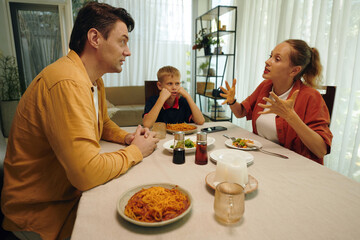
column 295, row 198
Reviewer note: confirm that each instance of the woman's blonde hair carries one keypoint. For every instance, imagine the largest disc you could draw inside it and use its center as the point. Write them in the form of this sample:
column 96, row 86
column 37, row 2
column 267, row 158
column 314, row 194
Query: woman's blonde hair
column 309, row 60
column 167, row 71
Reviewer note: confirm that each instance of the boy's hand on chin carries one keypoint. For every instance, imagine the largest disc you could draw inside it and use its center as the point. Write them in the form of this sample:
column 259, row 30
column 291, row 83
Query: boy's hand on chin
column 183, row 92
column 164, row 94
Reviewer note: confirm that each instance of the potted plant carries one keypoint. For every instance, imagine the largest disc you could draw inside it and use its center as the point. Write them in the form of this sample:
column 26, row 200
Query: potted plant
column 9, row 91
column 204, row 40
column 204, row 67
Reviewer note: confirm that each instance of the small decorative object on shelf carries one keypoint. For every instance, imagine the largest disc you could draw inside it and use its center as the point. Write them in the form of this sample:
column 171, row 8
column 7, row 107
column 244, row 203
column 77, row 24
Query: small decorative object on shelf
column 215, row 31
column 218, row 50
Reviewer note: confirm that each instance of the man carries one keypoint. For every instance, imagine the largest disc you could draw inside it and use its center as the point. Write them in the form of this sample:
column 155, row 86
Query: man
column 53, row 149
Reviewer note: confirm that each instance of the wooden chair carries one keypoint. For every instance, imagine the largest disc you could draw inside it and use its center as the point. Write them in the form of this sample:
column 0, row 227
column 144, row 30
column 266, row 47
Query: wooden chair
column 329, row 97
column 151, row 89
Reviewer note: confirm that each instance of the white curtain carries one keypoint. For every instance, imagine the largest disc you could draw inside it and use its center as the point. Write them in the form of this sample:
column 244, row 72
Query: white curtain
column 332, row 26
column 162, row 36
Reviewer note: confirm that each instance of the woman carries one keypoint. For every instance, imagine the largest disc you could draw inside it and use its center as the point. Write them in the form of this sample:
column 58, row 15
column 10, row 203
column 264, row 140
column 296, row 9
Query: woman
column 283, row 108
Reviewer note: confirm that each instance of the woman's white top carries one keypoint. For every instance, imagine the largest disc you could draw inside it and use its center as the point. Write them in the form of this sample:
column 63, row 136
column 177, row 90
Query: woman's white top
column 266, row 125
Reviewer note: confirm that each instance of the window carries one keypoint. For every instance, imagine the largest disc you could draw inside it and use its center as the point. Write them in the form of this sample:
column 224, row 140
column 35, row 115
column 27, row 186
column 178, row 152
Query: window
column 39, row 36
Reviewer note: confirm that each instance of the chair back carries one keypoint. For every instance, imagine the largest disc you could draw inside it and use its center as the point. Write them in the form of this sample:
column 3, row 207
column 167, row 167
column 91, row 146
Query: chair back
column 151, row 89
column 329, row 97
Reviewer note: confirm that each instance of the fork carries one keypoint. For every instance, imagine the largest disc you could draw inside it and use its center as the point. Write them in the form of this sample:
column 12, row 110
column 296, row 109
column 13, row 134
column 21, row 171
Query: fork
column 232, row 138
column 258, row 148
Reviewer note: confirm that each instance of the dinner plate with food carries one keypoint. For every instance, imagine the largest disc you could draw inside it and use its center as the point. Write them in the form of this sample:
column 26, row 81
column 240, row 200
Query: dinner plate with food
column 161, row 204
column 243, row 144
column 183, row 127
column 190, row 144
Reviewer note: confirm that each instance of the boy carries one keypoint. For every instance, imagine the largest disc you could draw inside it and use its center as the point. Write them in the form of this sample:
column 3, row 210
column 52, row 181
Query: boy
column 169, row 107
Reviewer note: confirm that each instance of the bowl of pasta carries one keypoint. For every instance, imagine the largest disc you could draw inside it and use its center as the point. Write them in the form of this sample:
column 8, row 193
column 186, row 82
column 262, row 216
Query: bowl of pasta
column 154, row 205
column 183, row 127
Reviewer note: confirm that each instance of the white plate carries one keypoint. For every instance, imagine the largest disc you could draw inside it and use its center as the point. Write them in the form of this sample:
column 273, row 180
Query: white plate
column 127, row 195
column 251, row 186
column 227, row 154
column 256, row 143
column 166, row 145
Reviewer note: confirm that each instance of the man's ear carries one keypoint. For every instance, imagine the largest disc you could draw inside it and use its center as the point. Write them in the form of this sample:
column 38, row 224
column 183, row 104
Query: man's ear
column 158, row 84
column 93, row 37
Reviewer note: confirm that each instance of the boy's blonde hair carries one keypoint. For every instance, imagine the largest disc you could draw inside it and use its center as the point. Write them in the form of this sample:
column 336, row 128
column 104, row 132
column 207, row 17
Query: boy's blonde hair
column 167, row 71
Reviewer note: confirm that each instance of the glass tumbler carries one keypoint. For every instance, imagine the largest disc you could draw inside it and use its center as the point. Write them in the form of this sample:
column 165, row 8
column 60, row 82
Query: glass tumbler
column 229, row 204
column 160, row 129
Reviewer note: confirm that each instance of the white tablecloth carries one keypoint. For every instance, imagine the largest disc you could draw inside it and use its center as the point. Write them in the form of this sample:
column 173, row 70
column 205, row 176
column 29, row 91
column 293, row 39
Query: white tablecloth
column 296, row 198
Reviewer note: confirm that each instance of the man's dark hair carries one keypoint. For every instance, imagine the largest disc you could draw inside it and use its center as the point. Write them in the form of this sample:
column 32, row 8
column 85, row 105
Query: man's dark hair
column 100, row 16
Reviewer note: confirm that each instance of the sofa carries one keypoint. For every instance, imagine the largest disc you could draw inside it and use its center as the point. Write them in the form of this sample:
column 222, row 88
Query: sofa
column 126, row 104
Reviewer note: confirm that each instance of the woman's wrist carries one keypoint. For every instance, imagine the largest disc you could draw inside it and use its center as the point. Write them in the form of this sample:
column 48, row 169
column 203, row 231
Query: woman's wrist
column 231, row 103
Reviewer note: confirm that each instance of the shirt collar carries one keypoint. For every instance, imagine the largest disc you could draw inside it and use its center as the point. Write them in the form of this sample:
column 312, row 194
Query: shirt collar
column 74, row 57
column 176, row 104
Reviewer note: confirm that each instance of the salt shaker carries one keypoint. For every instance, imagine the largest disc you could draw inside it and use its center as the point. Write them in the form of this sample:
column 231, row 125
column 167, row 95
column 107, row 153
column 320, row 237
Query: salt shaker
column 201, row 156
column 179, row 148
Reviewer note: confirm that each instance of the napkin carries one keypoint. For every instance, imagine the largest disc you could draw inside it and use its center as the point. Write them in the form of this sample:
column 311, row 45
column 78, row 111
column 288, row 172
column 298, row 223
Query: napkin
column 231, row 170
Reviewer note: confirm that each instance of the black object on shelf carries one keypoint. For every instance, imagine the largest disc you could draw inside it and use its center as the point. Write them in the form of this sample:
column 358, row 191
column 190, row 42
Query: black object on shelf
column 216, row 92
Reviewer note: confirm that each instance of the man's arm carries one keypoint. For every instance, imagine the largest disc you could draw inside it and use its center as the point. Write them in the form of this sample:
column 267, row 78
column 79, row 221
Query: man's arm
column 72, row 132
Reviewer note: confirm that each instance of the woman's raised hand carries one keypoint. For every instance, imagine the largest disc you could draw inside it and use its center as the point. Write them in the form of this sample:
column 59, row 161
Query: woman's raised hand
column 282, row 108
column 229, row 93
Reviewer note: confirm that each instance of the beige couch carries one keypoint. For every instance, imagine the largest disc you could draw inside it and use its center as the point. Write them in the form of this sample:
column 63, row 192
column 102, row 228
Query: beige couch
column 126, row 104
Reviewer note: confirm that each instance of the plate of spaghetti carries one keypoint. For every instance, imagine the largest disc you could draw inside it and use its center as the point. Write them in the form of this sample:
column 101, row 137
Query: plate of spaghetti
column 183, row 127
column 154, row 205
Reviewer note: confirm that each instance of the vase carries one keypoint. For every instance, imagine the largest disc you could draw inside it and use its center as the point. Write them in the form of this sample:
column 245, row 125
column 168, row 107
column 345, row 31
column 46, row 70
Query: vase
column 207, row 50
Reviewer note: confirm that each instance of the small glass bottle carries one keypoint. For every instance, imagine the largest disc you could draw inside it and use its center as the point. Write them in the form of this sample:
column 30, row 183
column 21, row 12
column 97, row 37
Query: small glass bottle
column 201, row 156
column 179, row 148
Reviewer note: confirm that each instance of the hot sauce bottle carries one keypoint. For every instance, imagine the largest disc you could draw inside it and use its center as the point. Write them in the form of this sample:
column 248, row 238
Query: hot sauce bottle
column 201, row 156
column 179, row 148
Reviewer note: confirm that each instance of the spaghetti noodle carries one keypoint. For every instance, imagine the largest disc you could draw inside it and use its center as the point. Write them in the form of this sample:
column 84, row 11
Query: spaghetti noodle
column 156, row 204
column 180, row 127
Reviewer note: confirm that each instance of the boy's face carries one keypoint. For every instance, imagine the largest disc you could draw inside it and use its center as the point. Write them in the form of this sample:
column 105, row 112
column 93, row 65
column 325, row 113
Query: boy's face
column 172, row 84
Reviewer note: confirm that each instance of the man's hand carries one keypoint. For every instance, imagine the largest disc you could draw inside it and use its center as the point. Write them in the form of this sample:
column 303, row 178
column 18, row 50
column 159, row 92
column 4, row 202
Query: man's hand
column 144, row 140
column 229, row 93
column 282, row 108
column 130, row 137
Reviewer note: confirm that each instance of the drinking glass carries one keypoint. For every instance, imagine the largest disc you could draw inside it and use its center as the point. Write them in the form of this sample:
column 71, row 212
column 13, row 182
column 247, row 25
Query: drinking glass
column 160, row 129
column 229, row 204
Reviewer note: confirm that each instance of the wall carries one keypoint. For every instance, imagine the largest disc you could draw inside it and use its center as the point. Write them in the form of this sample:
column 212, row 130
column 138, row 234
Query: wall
column 6, row 43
